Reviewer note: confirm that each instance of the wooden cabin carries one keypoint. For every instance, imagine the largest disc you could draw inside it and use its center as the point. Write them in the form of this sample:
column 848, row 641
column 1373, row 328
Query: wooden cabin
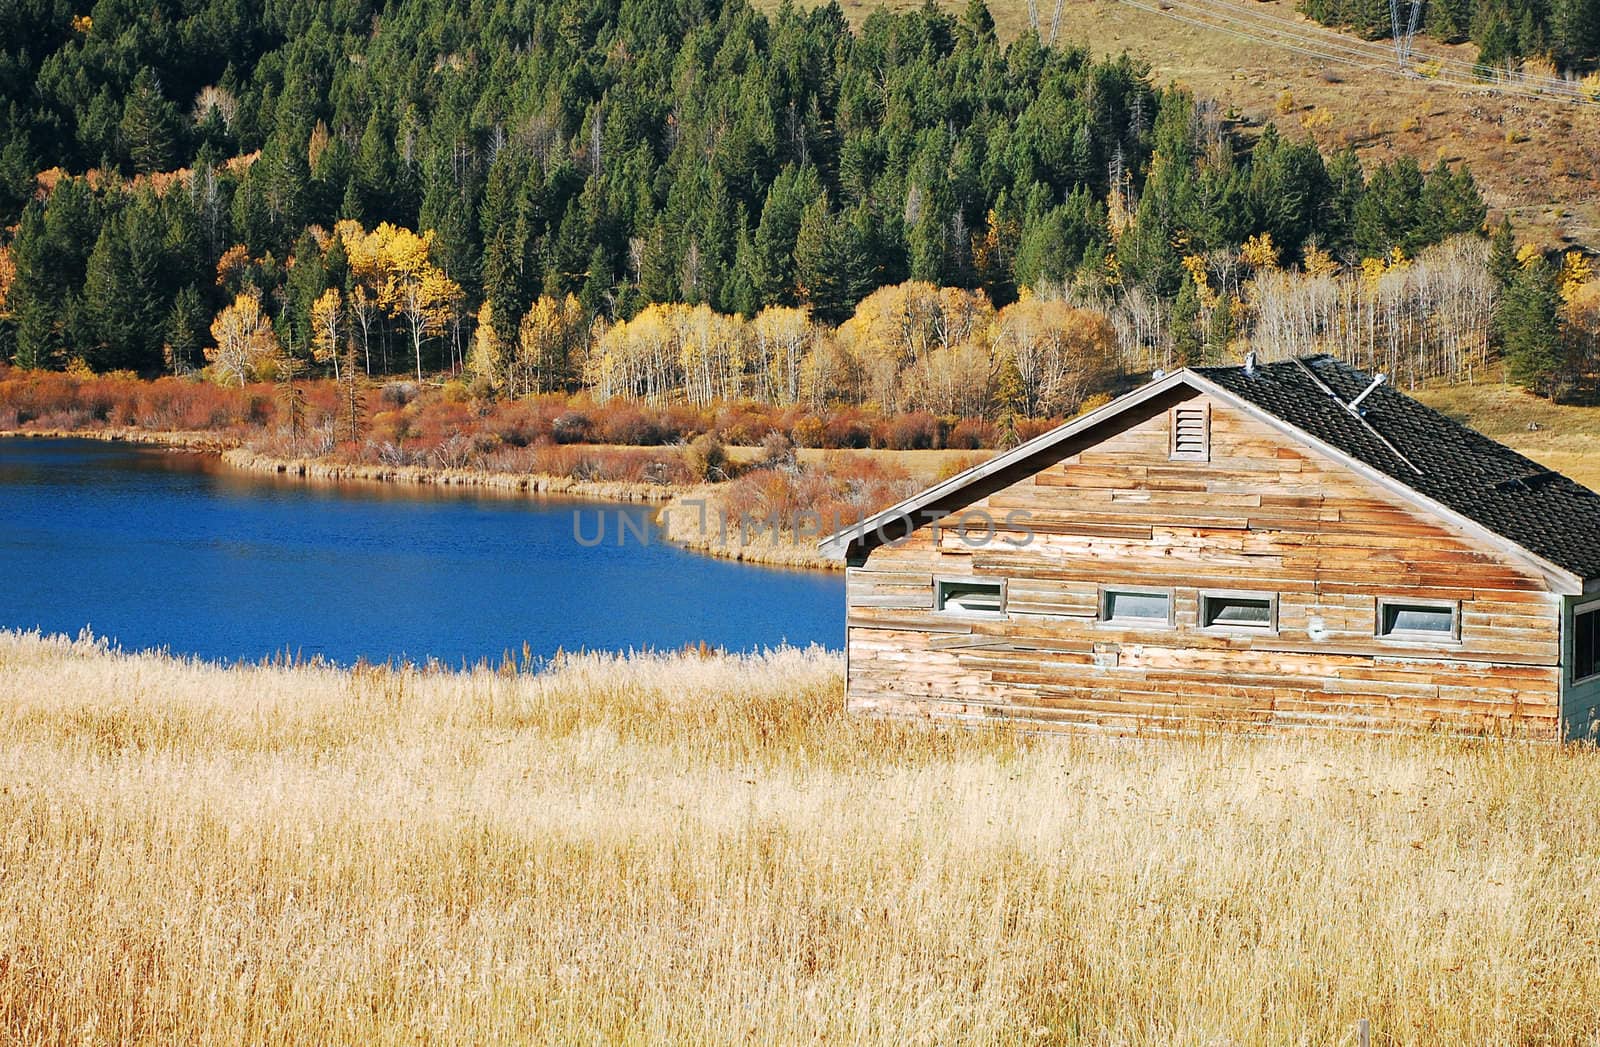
column 1280, row 545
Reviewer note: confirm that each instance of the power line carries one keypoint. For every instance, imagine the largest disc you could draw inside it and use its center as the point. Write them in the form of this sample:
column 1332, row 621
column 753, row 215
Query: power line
column 1331, row 46
column 1343, row 41
column 1253, row 38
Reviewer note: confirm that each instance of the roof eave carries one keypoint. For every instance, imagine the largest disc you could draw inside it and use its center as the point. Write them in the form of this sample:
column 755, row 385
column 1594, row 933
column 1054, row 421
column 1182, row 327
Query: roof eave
column 837, row 545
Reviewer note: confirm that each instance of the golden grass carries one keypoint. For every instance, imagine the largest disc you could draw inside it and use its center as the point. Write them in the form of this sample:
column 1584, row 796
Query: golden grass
column 706, row 850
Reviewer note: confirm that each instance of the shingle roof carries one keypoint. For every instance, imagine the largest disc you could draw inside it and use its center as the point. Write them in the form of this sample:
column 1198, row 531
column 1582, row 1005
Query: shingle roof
column 1545, row 513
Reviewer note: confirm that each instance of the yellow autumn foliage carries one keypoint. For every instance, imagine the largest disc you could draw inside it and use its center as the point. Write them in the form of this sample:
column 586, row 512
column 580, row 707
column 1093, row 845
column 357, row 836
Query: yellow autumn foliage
column 244, row 342
column 1259, row 252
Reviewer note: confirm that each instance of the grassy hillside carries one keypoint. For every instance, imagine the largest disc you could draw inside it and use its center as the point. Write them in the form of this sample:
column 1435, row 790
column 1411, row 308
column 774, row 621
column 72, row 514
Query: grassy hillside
column 1534, row 159
column 705, row 850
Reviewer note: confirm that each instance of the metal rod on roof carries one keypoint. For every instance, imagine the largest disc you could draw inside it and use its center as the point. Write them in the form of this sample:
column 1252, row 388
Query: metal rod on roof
column 1356, row 413
column 1353, row 404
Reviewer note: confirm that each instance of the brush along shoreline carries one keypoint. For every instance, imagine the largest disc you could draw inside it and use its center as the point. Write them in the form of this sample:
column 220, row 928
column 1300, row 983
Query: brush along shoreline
column 690, row 514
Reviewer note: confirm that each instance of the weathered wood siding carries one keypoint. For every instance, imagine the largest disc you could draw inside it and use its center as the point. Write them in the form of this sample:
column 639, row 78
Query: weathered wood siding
column 1264, row 513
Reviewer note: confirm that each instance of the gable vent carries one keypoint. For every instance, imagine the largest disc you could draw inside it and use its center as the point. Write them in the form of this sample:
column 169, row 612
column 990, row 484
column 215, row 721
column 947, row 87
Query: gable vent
column 1191, row 433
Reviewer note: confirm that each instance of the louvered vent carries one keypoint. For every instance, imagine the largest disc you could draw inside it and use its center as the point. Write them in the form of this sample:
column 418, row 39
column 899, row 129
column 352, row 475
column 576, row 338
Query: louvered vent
column 1191, row 433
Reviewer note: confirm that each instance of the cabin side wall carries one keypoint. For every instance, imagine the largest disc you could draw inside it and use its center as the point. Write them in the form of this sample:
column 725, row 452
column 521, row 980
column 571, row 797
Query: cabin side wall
column 1580, row 699
column 1264, row 514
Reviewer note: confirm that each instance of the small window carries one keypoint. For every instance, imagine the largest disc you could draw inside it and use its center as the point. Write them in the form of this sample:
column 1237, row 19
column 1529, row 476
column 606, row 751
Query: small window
column 1403, row 620
column 1586, row 642
column 970, row 596
column 1191, row 433
column 1255, row 611
column 1136, row 607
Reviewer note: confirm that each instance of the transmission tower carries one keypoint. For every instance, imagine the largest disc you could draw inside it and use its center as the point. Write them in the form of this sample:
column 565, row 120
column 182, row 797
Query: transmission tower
column 1404, row 36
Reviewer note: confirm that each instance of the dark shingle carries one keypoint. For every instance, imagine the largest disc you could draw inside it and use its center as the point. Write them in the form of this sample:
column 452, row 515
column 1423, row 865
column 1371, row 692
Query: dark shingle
column 1545, row 513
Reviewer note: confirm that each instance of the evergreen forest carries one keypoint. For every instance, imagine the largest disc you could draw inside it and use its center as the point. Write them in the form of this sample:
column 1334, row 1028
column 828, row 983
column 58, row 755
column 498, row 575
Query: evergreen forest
column 427, row 187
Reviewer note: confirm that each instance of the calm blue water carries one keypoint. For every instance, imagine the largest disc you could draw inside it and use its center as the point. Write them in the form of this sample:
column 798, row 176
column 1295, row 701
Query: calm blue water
column 156, row 549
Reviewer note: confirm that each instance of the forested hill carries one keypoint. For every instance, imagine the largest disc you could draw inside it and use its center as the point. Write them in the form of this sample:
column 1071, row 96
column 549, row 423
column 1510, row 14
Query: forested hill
column 623, row 152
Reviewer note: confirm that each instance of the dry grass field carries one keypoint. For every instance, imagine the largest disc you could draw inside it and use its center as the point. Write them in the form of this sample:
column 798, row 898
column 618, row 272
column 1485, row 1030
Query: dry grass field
column 704, row 850
column 1535, row 158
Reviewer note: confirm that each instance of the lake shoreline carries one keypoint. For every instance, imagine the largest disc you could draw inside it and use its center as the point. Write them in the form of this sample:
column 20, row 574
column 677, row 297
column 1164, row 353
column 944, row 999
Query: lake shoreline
column 174, row 440
column 687, row 515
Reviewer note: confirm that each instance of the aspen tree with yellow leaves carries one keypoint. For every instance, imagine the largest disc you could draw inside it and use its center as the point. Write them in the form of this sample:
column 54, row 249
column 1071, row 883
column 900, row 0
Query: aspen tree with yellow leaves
column 327, row 321
column 780, row 337
column 486, row 359
column 244, row 341
column 8, row 274
column 550, row 342
column 1060, row 354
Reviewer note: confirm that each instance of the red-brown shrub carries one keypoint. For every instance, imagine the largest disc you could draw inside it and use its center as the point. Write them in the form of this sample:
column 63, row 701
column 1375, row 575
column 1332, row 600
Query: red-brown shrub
column 971, row 434
column 912, row 432
column 847, row 427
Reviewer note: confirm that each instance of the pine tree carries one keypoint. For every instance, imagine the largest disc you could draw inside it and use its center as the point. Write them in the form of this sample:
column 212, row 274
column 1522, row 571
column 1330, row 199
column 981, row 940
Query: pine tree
column 598, row 287
column 125, row 306
column 1221, row 330
column 930, row 210
column 1371, row 18
column 375, row 175
column 979, row 20
column 285, row 181
column 1448, row 20
column 1574, row 30
column 185, row 331
column 291, row 395
column 1497, row 47
column 1450, row 204
column 150, row 128
column 1528, row 324
column 792, row 192
column 1347, row 183
column 1145, row 248
column 829, row 261
column 16, row 169
column 1390, row 213
column 740, row 294
column 307, row 280
column 35, row 297
column 1188, row 343
column 50, row 253
column 1503, row 254
column 351, row 419
column 502, row 222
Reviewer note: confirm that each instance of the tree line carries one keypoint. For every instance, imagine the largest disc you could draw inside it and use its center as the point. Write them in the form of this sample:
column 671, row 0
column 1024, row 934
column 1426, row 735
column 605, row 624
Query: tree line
column 179, row 174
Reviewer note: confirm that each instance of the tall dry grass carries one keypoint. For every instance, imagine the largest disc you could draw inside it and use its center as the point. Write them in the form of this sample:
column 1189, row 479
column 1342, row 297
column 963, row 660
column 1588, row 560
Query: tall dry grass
column 705, row 850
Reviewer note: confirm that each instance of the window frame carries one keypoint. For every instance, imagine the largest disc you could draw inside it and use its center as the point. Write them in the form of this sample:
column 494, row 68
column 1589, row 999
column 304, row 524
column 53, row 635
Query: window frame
column 1587, row 607
column 1205, row 596
column 942, row 580
column 1103, row 602
column 1413, row 636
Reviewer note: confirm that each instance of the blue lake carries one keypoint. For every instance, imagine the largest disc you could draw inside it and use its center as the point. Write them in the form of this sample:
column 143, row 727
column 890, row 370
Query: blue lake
column 159, row 549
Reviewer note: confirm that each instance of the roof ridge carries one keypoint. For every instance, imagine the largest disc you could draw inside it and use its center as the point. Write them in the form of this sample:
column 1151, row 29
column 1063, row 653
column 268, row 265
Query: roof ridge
column 1554, row 524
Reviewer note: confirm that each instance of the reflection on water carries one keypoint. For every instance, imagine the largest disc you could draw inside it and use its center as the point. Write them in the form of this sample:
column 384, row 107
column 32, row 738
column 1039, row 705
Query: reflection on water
column 161, row 549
